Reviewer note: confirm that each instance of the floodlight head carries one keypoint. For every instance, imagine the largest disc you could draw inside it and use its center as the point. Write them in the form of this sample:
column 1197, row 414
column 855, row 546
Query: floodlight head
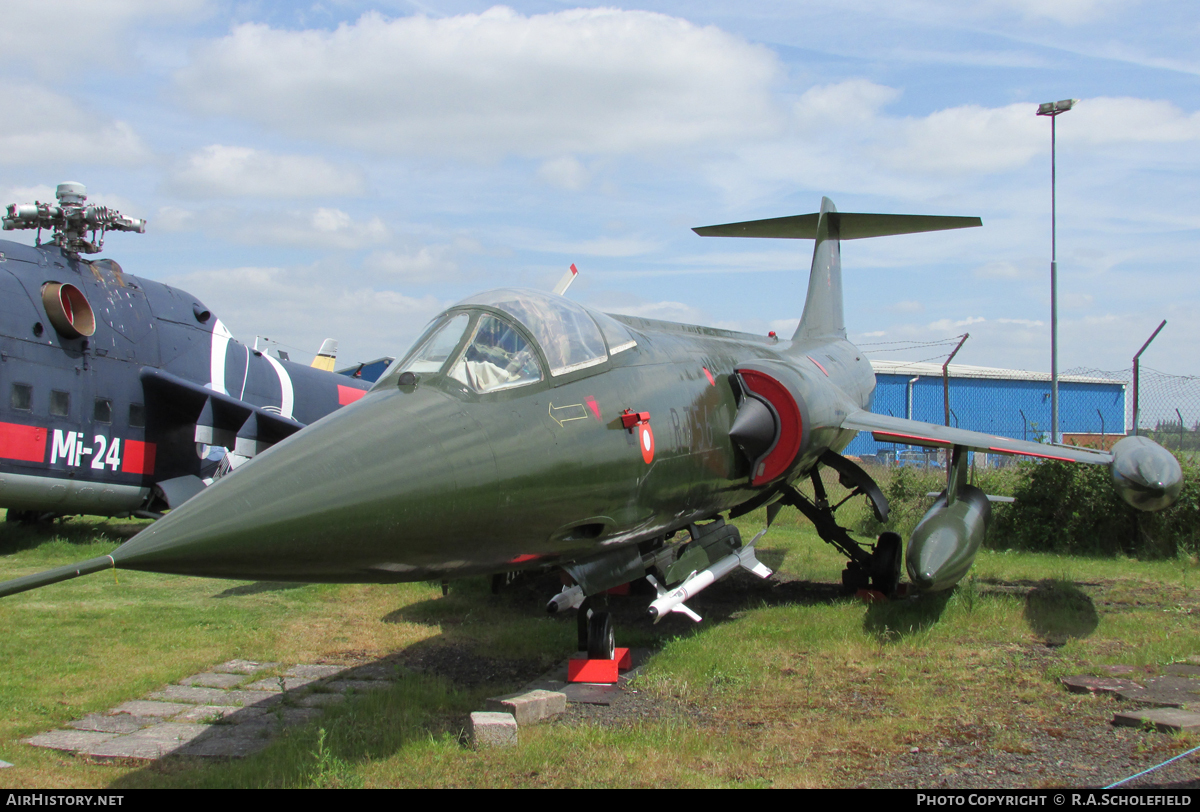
column 1054, row 108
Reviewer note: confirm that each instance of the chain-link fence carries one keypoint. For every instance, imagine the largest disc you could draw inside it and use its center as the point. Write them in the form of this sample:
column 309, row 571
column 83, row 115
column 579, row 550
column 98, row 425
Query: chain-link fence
column 1095, row 409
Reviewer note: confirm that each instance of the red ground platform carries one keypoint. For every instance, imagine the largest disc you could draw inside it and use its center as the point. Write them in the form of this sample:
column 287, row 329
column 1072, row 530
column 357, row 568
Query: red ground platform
column 581, row 669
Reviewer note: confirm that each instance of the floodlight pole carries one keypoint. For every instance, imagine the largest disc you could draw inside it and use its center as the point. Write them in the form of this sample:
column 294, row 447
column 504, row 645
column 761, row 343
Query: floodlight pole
column 1054, row 110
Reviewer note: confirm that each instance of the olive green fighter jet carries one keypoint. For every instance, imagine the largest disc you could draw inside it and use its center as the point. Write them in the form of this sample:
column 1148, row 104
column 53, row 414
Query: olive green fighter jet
column 524, row 431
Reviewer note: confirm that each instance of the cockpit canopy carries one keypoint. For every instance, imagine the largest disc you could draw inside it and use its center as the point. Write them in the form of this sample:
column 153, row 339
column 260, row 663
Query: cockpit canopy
column 487, row 352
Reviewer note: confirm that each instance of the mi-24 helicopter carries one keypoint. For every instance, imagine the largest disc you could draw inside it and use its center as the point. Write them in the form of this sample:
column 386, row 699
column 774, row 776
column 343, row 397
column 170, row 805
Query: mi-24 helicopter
column 523, row 430
column 120, row 395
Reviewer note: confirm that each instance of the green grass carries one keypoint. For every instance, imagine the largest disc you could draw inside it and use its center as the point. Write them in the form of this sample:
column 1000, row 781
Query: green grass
column 796, row 688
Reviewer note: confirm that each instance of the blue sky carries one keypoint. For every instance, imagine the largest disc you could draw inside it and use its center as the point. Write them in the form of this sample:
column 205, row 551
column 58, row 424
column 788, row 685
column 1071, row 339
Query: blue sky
column 348, row 169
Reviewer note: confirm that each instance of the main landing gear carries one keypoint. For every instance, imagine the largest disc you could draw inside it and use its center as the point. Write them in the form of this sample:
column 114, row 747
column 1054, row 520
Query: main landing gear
column 877, row 568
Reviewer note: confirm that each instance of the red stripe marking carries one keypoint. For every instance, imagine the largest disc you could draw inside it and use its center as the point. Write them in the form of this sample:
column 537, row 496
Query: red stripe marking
column 711, row 380
column 521, row 559
column 594, row 406
column 25, row 443
column 818, row 363
column 139, row 457
column 348, row 394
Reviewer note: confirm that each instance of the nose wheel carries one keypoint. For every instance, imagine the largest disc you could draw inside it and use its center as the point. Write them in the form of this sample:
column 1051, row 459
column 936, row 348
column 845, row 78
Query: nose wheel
column 596, row 635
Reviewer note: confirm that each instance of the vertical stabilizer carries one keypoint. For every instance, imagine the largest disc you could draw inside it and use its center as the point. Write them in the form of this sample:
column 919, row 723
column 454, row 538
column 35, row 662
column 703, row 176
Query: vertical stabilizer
column 822, row 317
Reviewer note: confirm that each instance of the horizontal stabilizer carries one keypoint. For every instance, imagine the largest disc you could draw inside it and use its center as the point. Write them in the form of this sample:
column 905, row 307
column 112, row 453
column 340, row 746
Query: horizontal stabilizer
column 849, row 226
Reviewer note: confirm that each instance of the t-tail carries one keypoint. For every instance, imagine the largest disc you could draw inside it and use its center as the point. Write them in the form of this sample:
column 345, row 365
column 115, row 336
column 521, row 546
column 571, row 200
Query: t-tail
column 822, row 319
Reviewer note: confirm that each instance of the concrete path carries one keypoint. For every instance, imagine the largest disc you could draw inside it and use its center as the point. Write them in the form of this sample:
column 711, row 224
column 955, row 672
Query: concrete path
column 233, row 710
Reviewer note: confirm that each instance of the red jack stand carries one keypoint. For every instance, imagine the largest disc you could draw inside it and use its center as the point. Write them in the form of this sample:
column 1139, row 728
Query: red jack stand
column 581, row 669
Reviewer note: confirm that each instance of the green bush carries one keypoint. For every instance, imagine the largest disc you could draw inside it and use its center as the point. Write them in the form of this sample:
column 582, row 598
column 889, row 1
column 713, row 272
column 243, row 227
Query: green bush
column 1068, row 508
column 1060, row 507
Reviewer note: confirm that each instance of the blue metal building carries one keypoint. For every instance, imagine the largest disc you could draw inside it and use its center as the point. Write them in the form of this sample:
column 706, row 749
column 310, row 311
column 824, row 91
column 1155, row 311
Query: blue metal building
column 1007, row 402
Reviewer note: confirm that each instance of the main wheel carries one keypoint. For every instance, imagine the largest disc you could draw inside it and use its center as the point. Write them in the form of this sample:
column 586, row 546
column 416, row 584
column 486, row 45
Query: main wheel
column 601, row 642
column 886, row 563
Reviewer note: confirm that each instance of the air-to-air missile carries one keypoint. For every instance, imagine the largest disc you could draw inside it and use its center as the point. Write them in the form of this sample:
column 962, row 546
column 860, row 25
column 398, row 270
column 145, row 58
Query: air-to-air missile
column 523, row 431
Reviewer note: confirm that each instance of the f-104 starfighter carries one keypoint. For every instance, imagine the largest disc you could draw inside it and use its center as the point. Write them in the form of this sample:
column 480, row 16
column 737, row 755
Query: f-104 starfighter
column 523, row 430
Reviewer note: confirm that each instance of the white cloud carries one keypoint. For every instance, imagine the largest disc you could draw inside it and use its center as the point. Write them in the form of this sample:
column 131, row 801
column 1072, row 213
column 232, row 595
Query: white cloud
column 428, row 263
column 942, row 325
column 1000, row 269
column 584, row 81
column 1063, row 11
column 306, row 303
column 907, row 307
column 600, row 247
column 224, row 171
column 55, row 36
column 40, row 127
column 565, row 173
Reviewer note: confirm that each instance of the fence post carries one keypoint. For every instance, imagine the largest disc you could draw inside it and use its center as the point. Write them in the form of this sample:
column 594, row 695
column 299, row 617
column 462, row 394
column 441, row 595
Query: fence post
column 1135, row 373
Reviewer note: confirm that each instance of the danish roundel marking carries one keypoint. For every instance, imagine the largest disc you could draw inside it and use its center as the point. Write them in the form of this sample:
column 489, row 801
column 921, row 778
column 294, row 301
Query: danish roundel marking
column 646, row 441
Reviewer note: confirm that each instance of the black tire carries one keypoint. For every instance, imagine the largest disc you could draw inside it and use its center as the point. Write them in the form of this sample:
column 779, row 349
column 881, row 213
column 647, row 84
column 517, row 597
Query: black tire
column 887, row 561
column 602, row 644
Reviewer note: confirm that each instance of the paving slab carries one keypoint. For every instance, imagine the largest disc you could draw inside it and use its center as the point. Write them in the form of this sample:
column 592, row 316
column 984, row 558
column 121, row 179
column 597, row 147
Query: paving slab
column 145, row 707
column 271, row 684
column 244, row 667
column 149, row 744
column 211, row 679
column 388, row 671
column 530, row 707
column 1164, row 720
column 118, row 723
column 1117, row 670
column 1089, row 684
column 213, row 696
column 229, row 714
column 74, row 740
column 223, row 747
column 314, row 671
column 585, row 693
column 299, row 716
column 320, row 700
column 1166, row 692
column 1182, row 670
column 493, row 730
column 343, row 685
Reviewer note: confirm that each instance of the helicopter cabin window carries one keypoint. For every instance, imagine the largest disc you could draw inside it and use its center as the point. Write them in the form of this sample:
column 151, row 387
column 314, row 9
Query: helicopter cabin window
column 60, row 403
column 22, row 396
column 497, row 357
column 102, row 413
column 566, row 332
column 137, row 416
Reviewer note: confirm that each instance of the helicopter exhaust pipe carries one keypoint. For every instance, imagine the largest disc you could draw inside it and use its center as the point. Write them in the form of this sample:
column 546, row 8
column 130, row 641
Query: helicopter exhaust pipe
column 697, row 582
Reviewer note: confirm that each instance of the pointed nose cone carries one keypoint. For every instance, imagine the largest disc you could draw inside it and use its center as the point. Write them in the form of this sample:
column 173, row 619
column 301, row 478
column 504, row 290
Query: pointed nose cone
column 1145, row 474
column 369, row 493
